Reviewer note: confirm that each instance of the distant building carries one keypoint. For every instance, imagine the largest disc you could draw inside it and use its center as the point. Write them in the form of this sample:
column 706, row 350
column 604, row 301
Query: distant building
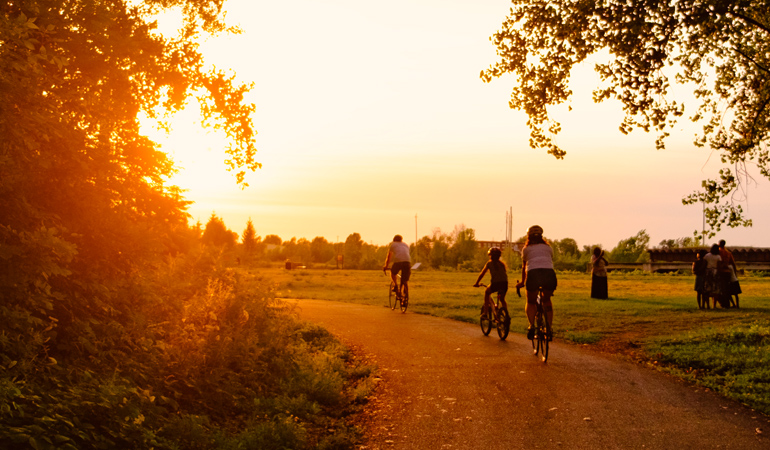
column 502, row 245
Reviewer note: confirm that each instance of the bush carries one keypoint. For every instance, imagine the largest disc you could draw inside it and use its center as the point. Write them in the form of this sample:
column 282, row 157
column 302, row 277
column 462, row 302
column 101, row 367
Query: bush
column 187, row 356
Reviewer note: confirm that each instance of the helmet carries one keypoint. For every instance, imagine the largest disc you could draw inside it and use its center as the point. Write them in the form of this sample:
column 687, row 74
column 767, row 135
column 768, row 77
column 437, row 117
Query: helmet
column 535, row 229
column 494, row 252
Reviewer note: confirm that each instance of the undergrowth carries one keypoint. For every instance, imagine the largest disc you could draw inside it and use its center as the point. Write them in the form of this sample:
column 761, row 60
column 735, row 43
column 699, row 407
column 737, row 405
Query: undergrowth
column 186, row 357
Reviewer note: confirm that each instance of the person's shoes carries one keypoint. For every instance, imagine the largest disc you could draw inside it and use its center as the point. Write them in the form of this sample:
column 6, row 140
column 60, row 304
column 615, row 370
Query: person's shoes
column 531, row 333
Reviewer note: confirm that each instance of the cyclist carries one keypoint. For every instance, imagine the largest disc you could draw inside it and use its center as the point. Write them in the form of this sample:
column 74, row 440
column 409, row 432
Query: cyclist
column 537, row 274
column 499, row 282
column 399, row 251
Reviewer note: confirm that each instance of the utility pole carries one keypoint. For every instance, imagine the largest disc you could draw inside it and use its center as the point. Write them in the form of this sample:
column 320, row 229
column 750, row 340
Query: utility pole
column 415, row 237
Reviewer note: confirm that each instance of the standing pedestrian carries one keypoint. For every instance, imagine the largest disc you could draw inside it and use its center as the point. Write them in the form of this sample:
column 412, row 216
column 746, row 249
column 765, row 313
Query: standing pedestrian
column 599, row 275
column 711, row 283
column 728, row 275
column 699, row 270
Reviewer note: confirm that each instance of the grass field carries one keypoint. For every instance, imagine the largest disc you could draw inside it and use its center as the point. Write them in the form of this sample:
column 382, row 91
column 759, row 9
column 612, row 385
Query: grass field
column 650, row 318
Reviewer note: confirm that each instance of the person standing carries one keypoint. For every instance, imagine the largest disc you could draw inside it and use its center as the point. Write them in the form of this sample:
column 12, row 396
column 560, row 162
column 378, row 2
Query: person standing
column 711, row 283
column 599, row 275
column 398, row 252
column 699, row 270
column 537, row 275
column 727, row 273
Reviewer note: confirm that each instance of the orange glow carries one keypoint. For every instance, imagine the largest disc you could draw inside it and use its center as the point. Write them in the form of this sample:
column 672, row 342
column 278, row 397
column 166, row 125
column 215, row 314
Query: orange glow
column 368, row 116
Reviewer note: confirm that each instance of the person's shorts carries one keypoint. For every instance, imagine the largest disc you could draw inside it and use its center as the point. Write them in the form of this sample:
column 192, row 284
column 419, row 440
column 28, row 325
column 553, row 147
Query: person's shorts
column 405, row 267
column 501, row 287
column 544, row 279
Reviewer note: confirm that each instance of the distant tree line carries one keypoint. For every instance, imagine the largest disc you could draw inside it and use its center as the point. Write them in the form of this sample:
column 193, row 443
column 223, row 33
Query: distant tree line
column 456, row 250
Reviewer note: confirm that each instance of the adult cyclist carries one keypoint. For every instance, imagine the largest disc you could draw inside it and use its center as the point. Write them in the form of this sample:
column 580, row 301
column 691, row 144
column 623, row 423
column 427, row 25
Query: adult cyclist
column 537, row 275
column 398, row 251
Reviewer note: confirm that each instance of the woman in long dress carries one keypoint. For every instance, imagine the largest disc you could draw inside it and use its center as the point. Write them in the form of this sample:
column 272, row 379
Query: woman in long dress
column 599, row 275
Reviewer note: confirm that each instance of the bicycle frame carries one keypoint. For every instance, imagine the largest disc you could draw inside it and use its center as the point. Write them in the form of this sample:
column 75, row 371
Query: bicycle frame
column 498, row 316
column 540, row 342
column 394, row 290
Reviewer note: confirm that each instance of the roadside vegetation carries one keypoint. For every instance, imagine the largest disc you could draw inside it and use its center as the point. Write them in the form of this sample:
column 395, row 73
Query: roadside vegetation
column 652, row 319
column 188, row 356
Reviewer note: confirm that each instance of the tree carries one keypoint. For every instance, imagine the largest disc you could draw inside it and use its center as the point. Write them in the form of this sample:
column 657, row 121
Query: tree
column 720, row 46
column 683, row 242
column 353, row 250
column 87, row 221
column 84, row 207
column 321, row 250
column 439, row 249
column 249, row 238
column 217, row 233
column 567, row 246
column 272, row 239
column 464, row 246
column 633, row 249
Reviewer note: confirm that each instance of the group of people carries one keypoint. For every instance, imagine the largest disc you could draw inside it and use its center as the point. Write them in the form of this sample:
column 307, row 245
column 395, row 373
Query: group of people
column 715, row 275
column 537, row 274
column 716, row 278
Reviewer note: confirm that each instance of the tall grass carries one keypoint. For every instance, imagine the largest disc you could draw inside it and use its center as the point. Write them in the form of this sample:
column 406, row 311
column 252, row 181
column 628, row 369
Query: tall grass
column 652, row 318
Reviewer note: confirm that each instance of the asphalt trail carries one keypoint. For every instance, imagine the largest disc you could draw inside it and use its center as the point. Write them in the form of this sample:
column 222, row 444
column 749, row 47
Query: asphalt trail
column 446, row 386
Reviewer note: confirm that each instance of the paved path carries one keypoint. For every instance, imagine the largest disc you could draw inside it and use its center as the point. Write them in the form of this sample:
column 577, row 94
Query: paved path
column 446, row 386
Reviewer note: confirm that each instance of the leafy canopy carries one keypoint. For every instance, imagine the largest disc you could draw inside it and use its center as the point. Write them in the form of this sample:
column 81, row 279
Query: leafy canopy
column 722, row 47
column 84, row 208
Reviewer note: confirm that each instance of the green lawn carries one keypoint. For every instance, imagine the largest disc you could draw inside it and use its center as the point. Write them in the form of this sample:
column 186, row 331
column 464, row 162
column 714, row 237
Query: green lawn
column 653, row 319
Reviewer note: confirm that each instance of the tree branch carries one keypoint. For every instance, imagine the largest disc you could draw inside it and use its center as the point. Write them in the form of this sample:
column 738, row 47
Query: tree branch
column 751, row 21
column 759, row 66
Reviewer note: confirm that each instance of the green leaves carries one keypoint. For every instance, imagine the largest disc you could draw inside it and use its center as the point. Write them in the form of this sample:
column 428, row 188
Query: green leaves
column 721, row 47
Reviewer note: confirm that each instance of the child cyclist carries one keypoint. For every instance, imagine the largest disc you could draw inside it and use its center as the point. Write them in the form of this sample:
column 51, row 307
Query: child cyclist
column 499, row 282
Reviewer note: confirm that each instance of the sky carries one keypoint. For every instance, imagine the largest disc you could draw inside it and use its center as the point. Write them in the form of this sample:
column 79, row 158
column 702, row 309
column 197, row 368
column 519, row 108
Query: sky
column 372, row 119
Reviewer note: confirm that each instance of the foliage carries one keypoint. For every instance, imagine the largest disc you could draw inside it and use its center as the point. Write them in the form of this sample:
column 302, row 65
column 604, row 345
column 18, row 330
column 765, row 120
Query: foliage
column 117, row 328
column 321, row 250
column 633, row 249
column 217, row 234
column 192, row 355
column 84, row 211
column 683, row 242
column 353, row 250
column 719, row 47
column 249, row 239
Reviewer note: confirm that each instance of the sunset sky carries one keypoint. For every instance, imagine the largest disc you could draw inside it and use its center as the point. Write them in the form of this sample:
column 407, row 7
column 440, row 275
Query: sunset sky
column 370, row 114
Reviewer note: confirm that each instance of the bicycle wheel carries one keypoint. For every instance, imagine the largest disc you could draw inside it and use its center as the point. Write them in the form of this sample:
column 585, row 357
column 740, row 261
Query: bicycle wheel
column 542, row 339
column 486, row 322
column 404, row 302
column 503, row 324
column 545, row 345
column 392, row 297
column 535, row 341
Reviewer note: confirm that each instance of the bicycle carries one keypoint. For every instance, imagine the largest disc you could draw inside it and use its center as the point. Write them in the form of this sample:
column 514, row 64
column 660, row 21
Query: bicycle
column 395, row 299
column 498, row 317
column 540, row 340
